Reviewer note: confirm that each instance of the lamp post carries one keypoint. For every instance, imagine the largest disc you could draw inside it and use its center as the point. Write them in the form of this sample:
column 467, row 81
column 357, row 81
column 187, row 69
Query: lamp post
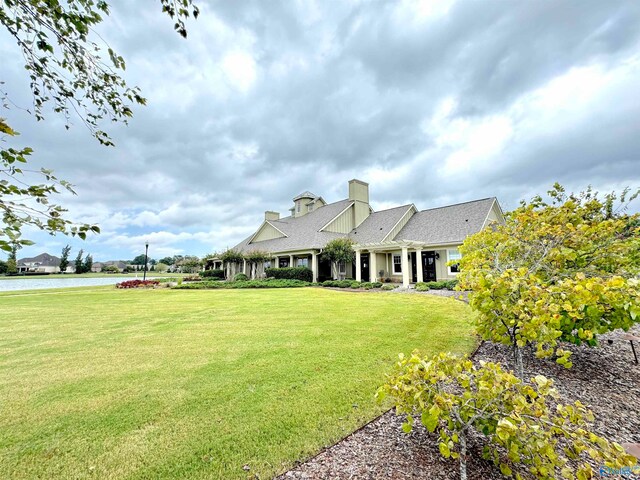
column 146, row 251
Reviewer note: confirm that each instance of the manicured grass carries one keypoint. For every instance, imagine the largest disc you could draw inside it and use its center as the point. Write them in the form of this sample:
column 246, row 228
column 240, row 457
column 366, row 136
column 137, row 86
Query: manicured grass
column 105, row 383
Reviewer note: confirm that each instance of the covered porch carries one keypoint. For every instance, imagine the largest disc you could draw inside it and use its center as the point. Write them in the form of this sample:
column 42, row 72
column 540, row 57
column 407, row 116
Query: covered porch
column 406, row 262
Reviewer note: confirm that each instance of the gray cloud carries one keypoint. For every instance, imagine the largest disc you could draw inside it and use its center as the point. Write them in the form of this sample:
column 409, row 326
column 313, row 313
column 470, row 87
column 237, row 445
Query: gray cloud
column 265, row 100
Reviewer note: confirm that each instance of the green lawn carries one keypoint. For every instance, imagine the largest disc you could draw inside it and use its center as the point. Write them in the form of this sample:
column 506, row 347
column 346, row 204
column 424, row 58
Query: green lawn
column 105, row 383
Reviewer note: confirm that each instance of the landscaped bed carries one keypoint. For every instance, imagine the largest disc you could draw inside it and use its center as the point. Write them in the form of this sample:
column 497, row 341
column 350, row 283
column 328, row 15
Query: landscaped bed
column 160, row 383
column 605, row 379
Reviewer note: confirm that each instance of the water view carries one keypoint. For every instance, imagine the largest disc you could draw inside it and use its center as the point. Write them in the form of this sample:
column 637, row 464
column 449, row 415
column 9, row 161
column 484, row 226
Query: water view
column 37, row 283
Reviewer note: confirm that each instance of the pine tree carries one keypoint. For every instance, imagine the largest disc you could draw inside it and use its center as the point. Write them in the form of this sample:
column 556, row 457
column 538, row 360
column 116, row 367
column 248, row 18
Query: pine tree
column 64, row 259
column 79, row 263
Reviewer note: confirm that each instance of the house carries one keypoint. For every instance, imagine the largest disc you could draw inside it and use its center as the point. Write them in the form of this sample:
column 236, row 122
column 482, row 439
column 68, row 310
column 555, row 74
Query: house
column 98, row 266
column 402, row 244
column 43, row 263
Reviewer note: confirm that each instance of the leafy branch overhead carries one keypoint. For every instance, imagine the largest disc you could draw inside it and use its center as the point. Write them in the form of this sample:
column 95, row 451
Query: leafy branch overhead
column 66, row 60
column 23, row 201
column 73, row 70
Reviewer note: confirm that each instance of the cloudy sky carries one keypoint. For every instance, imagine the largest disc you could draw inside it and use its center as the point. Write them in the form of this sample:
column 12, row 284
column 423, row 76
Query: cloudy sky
column 430, row 102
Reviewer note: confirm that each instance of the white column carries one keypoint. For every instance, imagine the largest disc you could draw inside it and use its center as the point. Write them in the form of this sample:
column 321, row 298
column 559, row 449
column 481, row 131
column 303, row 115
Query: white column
column 373, row 267
column 405, row 267
column 314, row 266
column 276, row 262
column 419, row 265
column 291, row 261
column 244, row 267
column 358, row 267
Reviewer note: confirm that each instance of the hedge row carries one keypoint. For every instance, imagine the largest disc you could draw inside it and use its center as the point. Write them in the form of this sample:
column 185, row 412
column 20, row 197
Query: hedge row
column 266, row 283
column 444, row 285
column 214, row 273
column 352, row 284
column 303, row 274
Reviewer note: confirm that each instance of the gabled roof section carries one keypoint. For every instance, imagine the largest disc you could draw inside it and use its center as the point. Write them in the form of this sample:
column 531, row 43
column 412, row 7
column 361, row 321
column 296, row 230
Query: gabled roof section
column 378, row 225
column 306, row 194
column 315, row 199
column 268, row 229
column 450, row 224
column 44, row 260
column 301, row 232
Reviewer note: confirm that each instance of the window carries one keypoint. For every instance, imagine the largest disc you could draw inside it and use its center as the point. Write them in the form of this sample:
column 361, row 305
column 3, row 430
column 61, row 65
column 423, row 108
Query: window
column 310, row 207
column 297, row 207
column 303, row 262
column 342, row 268
column 267, row 264
column 454, row 255
column 284, row 262
column 397, row 264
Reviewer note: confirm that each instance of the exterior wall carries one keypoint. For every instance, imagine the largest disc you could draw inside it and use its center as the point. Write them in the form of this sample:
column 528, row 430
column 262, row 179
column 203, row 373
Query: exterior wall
column 403, row 221
column 344, row 223
column 267, row 232
column 495, row 215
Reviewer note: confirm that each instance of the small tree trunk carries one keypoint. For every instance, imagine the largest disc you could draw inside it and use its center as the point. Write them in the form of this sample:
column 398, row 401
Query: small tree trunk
column 517, row 354
column 463, row 456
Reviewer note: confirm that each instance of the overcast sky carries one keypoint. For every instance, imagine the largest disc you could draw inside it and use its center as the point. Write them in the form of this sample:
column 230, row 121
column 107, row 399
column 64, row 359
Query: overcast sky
column 432, row 103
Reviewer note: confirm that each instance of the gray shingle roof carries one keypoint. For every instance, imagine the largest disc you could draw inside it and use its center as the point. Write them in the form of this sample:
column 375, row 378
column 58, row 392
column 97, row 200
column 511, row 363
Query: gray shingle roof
column 306, row 194
column 378, row 225
column 302, row 232
column 44, row 260
column 449, row 224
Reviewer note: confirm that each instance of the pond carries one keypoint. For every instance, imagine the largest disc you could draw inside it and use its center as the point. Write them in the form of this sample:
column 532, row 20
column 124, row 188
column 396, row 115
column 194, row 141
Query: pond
column 37, row 283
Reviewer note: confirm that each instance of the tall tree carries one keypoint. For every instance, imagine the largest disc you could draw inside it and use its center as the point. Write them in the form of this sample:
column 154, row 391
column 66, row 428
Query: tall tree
column 79, row 263
column 87, row 265
column 12, row 262
column 72, row 69
column 139, row 260
column 64, row 258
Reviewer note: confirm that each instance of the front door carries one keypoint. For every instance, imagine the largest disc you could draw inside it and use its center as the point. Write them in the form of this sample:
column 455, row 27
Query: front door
column 414, row 270
column 364, row 267
column 429, row 266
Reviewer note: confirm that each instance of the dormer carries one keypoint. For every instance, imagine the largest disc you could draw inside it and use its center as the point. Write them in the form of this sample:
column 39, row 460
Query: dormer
column 301, row 204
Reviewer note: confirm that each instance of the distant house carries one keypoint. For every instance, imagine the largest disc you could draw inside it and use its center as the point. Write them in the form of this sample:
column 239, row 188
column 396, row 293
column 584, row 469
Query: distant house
column 403, row 244
column 43, row 263
column 98, row 266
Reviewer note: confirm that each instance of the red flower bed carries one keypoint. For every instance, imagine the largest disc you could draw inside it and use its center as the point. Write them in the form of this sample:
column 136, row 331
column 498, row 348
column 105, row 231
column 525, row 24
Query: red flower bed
column 137, row 283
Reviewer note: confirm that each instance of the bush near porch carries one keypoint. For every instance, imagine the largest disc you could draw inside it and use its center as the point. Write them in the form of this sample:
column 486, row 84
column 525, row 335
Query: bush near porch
column 303, row 274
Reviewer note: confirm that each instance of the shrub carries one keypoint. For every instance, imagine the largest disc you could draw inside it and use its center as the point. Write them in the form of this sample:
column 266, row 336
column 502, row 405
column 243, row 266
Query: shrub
column 566, row 270
column 337, row 283
column 137, row 283
column 110, row 269
column 214, row 273
column 520, row 427
column 264, row 283
column 355, row 284
column 422, row 287
column 192, row 278
column 388, row 287
column 240, row 277
column 377, row 284
column 387, row 280
column 367, row 285
column 304, row 274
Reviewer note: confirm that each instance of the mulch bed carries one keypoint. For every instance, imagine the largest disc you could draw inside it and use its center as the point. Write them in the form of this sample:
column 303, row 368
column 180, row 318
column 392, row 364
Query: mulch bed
column 605, row 379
